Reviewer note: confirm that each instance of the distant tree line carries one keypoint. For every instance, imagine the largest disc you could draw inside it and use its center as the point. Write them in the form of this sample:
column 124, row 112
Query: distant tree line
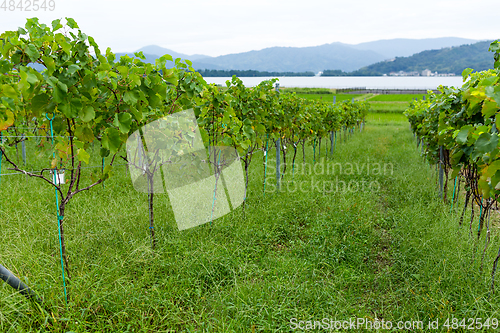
column 247, row 73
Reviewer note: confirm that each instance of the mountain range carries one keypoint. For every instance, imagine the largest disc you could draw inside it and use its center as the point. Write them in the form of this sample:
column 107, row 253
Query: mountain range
column 446, row 60
column 341, row 56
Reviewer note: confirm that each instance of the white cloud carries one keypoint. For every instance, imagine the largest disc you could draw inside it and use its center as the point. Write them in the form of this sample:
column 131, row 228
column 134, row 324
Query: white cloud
column 230, row 26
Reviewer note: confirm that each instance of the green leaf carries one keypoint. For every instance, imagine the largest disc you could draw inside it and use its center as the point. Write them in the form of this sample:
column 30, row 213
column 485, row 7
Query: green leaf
column 489, row 81
column 456, row 171
column 84, row 133
column 489, row 109
column 78, row 144
column 39, row 103
column 136, row 80
column 484, row 187
column 140, row 55
column 455, row 158
column 490, row 170
column 260, row 128
column 67, row 110
column 107, row 172
column 123, row 70
column 52, row 81
column 58, row 95
column 87, row 113
column 73, row 69
column 6, row 122
column 462, row 136
column 62, row 41
column 110, row 55
column 486, row 143
column 32, row 79
column 83, row 155
column 9, row 91
column 32, row 52
column 466, row 72
column 71, row 23
column 5, row 66
column 104, row 152
column 131, row 97
column 166, row 57
column 62, row 86
column 136, row 113
column 248, row 130
column 493, row 92
column 494, row 46
column 56, row 25
column 111, row 140
column 170, row 76
column 124, row 120
column 49, row 63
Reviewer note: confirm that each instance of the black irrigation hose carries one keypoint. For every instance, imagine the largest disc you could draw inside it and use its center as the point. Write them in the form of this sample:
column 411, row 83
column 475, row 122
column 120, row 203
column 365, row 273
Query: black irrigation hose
column 17, row 284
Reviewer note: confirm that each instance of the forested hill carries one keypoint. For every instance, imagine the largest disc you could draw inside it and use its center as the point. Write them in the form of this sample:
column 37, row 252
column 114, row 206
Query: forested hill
column 446, row 60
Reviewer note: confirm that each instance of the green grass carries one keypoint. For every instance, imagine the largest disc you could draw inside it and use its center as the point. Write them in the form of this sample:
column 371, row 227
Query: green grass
column 329, row 97
column 393, row 252
column 308, row 90
column 391, row 102
column 395, row 98
column 382, row 107
column 384, row 117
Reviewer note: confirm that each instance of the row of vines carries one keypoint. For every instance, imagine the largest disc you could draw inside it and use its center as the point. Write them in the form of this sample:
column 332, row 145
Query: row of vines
column 458, row 130
column 57, row 85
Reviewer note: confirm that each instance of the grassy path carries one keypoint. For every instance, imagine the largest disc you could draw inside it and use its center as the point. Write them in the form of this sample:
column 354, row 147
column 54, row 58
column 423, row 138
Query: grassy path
column 384, row 248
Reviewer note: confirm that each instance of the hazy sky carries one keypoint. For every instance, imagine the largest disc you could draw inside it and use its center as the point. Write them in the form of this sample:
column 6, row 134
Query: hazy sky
column 216, row 27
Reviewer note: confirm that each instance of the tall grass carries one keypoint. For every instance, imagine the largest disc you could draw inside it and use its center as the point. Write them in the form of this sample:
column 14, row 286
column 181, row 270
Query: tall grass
column 390, row 252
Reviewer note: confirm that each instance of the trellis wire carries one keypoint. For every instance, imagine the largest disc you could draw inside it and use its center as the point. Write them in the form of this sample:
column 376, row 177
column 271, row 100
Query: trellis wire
column 82, row 167
column 37, row 136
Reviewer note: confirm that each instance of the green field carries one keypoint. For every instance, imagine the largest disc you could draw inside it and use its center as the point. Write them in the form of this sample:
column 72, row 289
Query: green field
column 392, row 103
column 395, row 98
column 329, row 97
column 392, row 251
column 398, row 107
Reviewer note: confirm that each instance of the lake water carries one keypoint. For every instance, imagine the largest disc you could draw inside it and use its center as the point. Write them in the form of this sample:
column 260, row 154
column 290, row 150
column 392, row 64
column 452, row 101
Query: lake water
column 369, row 82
